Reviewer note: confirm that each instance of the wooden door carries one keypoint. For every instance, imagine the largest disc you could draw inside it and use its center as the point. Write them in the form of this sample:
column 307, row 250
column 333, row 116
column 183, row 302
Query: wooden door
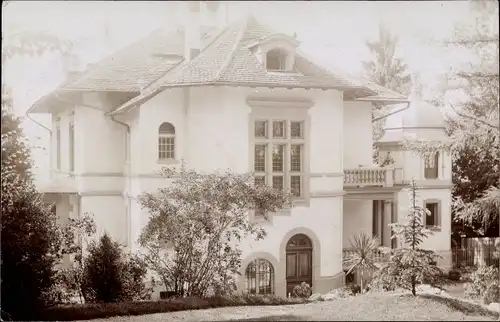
column 298, row 262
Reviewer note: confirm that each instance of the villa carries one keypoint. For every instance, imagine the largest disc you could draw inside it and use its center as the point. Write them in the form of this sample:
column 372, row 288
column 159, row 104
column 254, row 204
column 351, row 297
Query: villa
column 244, row 97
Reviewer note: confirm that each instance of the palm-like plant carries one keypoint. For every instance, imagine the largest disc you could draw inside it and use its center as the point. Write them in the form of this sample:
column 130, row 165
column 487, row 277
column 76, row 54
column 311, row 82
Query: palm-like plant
column 361, row 257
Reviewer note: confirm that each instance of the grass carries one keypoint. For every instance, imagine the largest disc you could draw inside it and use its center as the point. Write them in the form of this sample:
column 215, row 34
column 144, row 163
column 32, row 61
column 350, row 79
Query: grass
column 108, row 310
column 374, row 307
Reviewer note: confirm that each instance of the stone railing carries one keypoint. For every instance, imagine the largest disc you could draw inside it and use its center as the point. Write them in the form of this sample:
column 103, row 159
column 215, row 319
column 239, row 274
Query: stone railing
column 379, row 256
column 374, row 176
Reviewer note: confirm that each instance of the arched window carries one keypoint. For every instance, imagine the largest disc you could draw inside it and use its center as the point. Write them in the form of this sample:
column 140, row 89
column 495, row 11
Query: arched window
column 276, row 60
column 166, row 142
column 259, row 277
column 431, row 166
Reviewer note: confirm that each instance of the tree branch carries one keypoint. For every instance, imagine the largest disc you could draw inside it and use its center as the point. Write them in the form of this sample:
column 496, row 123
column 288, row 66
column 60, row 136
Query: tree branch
column 473, row 118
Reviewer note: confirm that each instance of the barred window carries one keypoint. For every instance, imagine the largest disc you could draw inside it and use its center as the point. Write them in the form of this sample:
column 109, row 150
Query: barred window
column 166, row 142
column 431, row 166
column 259, row 277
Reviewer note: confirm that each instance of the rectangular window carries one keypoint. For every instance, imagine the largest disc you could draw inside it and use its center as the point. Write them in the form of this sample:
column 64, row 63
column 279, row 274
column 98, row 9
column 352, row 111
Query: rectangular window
column 58, row 143
column 72, row 143
column 166, row 147
column 284, row 168
column 432, row 219
column 431, row 166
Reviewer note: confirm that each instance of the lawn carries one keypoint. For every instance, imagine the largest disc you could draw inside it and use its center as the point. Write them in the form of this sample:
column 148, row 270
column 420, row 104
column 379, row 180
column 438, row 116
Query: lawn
column 376, row 307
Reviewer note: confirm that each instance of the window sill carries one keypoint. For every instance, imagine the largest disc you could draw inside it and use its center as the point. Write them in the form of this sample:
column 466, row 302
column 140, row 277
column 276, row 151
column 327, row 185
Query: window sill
column 168, row 161
column 434, row 228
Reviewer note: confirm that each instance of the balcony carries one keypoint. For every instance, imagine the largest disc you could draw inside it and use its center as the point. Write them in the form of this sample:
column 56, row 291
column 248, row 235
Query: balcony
column 371, row 177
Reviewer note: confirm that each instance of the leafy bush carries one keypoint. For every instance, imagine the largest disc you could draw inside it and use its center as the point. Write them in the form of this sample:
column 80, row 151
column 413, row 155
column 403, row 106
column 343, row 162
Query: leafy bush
column 111, row 276
column 484, row 284
column 302, row 291
column 196, row 224
column 107, row 310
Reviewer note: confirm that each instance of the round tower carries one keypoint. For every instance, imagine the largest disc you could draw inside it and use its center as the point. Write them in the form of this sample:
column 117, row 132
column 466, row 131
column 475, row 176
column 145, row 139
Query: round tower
column 421, row 121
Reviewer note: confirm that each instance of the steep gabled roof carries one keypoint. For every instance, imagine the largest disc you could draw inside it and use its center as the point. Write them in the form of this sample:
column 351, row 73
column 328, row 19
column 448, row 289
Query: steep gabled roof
column 228, row 60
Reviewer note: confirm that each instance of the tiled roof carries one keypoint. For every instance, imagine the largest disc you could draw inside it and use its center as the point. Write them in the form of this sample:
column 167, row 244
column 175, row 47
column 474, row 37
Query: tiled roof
column 229, row 61
column 225, row 59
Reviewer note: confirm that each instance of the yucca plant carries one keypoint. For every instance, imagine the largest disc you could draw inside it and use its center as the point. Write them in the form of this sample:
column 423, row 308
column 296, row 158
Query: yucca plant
column 362, row 255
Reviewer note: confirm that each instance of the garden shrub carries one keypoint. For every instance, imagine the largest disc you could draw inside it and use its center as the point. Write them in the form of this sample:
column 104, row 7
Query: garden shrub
column 484, row 284
column 302, row 291
column 107, row 310
column 109, row 275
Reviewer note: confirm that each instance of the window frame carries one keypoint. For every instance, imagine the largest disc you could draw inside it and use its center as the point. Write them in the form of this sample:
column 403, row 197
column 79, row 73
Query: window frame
column 283, row 60
column 71, row 142
column 437, row 215
column 431, row 173
column 58, row 143
column 166, row 136
column 293, row 113
column 259, row 274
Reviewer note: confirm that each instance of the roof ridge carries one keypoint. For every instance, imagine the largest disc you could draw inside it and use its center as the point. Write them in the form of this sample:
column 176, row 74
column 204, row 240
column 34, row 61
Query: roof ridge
column 244, row 26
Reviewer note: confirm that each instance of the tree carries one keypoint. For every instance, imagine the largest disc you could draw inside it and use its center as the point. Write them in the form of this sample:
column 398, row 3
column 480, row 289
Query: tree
column 109, row 275
column 362, row 255
column 32, row 242
column 386, row 70
column 411, row 265
column 474, row 127
column 195, row 227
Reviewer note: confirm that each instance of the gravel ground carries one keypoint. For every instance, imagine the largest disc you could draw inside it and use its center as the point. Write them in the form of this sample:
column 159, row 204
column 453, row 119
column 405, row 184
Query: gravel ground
column 361, row 308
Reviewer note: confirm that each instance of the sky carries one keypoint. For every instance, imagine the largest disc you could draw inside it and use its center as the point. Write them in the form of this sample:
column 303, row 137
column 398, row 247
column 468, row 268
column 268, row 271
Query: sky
column 331, row 32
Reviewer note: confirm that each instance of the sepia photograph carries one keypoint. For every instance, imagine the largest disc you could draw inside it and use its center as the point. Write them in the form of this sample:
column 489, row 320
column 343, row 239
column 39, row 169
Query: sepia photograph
column 250, row 161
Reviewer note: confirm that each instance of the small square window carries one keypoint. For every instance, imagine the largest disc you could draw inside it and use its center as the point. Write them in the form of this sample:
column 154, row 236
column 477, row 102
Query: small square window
column 296, row 130
column 279, row 129
column 261, row 129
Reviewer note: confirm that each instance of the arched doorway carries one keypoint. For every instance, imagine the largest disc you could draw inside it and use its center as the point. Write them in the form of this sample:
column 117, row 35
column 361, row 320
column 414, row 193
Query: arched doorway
column 298, row 262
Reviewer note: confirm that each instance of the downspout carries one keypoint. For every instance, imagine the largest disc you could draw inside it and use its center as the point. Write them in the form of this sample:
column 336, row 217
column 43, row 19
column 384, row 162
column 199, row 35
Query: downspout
column 129, row 178
column 387, row 115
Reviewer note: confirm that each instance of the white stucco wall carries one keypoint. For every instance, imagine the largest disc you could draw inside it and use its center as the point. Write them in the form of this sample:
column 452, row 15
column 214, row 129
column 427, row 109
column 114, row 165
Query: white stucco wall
column 109, row 216
column 358, row 217
column 358, row 140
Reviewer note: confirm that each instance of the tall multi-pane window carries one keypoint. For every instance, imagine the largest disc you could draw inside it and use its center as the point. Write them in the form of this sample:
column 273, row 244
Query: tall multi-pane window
column 58, row 143
column 166, row 142
column 278, row 154
column 72, row 142
column 431, row 166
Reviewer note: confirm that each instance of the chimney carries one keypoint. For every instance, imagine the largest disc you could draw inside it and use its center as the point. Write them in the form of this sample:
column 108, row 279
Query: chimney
column 192, row 30
column 73, row 65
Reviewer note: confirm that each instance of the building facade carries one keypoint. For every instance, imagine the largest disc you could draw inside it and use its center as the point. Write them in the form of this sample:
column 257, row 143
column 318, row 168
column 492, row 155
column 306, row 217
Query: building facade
column 243, row 97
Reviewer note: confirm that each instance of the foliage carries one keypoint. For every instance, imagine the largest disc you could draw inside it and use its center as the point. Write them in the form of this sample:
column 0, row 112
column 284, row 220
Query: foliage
column 410, row 265
column 196, row 224
column 27, row 223
column 474, row 125
column 111, row 276
column 303, row 290
column 361, row 257
column 386, row 70
column 484, row 283
column 107, row 310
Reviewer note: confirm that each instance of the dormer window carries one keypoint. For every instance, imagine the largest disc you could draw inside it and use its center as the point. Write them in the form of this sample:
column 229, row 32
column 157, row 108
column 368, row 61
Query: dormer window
column 276, row 60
